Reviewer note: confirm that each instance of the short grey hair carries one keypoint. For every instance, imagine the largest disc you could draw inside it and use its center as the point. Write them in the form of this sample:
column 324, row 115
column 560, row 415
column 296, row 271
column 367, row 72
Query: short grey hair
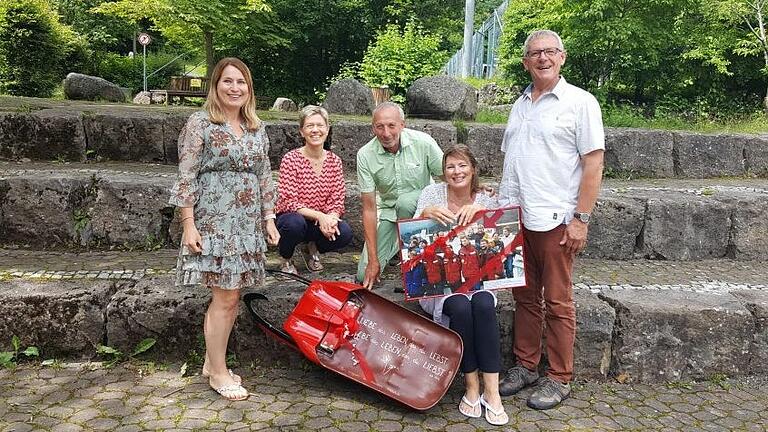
column 388, row 104
column 539, row 34
column 311, row 110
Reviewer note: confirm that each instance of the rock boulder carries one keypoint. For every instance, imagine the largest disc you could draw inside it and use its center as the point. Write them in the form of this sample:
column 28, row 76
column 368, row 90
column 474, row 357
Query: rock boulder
column 442, row 97
column 614, row 229
column 284, row 104
column 85, row 87
column 143, row 98
column 681, row 227
column 493, row 94
column 25, row 195
column 349, row 96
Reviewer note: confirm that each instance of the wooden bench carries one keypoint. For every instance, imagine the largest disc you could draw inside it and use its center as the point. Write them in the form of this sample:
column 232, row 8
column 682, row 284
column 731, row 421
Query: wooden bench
column 185, row 86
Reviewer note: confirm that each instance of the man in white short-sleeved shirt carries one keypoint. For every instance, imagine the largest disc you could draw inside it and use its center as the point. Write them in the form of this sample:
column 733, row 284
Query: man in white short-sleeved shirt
column 553, row 163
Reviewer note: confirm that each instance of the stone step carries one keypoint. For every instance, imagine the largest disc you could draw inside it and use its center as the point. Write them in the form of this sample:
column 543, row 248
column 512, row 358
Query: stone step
column 647, row 321
column 109, row 204
column 73, row 131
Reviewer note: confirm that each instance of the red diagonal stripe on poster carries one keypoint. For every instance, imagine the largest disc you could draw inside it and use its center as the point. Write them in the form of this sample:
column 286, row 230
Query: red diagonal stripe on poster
column 489, row 219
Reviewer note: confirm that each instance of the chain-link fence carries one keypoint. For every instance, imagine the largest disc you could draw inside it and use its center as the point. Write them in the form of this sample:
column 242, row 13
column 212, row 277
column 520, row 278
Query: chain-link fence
column 485, row 43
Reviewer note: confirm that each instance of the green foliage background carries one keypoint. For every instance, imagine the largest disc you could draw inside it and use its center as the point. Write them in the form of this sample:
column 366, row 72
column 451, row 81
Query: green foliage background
column 35, row 48
column 695, row 59
column 397, row 58
column 666, row 56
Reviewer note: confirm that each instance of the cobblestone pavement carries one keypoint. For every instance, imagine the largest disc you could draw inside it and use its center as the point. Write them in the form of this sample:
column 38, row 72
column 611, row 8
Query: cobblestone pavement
column 707, row 275
column 133, row 397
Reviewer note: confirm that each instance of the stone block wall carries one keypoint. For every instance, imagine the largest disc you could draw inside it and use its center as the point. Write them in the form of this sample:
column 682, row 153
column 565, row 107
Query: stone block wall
column 86, row 132
column 642, row 335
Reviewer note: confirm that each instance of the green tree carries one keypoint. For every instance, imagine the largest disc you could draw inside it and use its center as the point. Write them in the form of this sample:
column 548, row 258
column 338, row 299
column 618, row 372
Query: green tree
column 748, row 17
column 35, row 48
column 104, row 33
column 315, row 37
column 187, row 21
column 398, row 57
column 662, row 53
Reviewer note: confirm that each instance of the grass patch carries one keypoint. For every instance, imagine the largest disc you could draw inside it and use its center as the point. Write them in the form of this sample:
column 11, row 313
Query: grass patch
column 491, row 116
column 680, row 385
column 623, row 116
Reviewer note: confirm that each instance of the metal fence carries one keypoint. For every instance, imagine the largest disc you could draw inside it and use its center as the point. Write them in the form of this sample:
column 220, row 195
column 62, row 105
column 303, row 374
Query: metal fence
column 485, row 43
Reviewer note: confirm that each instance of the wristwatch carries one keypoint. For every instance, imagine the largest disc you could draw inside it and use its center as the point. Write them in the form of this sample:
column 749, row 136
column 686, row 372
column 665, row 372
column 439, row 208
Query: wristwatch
column 583, row 217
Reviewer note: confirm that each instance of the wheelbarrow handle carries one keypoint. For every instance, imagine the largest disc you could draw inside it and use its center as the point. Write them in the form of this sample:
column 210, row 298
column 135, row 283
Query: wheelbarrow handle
column 276, row 332
column 293, row 276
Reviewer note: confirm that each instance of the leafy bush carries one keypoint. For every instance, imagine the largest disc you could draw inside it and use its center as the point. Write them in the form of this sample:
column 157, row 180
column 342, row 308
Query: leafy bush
column 35, row 48
column 397, row 58
column 128, row 72
column 9, row 359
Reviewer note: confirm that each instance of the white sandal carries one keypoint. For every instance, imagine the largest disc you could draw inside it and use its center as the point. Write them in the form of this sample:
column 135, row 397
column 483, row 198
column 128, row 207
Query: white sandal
column 474, row 406
column 499, row 414
column 288, row 267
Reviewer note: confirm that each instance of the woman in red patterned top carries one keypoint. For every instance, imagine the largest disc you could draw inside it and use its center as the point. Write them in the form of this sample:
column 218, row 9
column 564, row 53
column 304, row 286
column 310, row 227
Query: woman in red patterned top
column 311, row 195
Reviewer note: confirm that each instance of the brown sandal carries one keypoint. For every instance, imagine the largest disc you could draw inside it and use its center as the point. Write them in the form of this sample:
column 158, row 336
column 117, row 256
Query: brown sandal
column 312, row 260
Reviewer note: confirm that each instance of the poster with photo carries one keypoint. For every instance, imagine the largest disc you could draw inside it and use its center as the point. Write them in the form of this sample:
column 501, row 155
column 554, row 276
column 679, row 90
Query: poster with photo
column 438, row 260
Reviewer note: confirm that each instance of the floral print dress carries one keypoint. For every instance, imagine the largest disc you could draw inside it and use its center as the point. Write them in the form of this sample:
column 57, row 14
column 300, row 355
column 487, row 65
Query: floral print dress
column 228, row 181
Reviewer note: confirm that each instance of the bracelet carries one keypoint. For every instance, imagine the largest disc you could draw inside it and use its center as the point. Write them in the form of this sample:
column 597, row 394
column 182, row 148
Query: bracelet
column 185, row 218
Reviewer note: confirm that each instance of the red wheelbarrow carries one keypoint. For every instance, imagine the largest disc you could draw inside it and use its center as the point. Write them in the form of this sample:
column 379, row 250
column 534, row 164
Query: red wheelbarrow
column 362, row 336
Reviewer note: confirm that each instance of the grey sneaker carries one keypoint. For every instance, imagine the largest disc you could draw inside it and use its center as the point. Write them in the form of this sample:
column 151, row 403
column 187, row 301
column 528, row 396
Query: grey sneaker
column 517, row 379
column 548, row 394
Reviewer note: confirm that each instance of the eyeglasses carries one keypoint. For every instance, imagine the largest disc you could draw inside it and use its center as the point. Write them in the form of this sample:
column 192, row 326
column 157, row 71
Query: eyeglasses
column 310, row 126
column 549, row 52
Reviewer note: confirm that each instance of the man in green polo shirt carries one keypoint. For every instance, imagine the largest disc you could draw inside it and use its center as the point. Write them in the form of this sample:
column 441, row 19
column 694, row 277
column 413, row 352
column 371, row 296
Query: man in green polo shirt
column 395, row 165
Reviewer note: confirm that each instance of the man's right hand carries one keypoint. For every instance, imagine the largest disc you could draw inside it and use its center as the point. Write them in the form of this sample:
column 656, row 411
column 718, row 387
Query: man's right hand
column 372, row 271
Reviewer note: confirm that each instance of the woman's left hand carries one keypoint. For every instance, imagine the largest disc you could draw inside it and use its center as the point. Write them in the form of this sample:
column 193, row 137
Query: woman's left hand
column 467, row 212
column 273, row 235
column 329, row 226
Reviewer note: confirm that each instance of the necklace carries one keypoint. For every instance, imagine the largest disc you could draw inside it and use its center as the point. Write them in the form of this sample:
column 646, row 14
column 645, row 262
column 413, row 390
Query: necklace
column 316, row 162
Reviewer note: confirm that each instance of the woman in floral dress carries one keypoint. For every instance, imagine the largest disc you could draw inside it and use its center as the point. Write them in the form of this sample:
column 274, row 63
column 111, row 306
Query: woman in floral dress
column 226, row 198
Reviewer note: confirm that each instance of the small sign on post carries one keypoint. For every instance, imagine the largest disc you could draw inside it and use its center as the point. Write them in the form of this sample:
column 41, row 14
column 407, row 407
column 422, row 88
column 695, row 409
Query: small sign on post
column 144, row 40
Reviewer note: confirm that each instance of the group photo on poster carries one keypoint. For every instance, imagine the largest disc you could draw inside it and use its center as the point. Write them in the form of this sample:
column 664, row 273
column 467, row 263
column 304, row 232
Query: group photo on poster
column 438, row 260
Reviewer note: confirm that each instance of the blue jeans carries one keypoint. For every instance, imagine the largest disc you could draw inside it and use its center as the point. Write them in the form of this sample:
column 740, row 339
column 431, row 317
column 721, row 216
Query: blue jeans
column 295, row 229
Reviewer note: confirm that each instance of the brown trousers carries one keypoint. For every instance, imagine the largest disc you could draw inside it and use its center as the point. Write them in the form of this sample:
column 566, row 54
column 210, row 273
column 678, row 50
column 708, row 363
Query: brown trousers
column 547, row 297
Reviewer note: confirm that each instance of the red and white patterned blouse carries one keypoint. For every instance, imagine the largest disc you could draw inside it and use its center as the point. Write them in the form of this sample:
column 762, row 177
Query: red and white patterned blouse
column 300, row 186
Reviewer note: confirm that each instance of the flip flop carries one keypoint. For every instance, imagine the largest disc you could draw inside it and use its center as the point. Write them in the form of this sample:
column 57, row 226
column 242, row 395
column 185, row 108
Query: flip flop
column 233, row 392
column 502, row 416
column 473, row 405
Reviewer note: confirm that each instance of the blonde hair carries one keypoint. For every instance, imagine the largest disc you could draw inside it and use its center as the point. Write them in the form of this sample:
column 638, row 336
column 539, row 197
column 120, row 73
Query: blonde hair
column 311, row 110
column 213, row 104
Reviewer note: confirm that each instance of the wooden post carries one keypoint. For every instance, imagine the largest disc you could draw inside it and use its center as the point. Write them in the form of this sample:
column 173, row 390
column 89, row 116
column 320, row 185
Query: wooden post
column 381, row 94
